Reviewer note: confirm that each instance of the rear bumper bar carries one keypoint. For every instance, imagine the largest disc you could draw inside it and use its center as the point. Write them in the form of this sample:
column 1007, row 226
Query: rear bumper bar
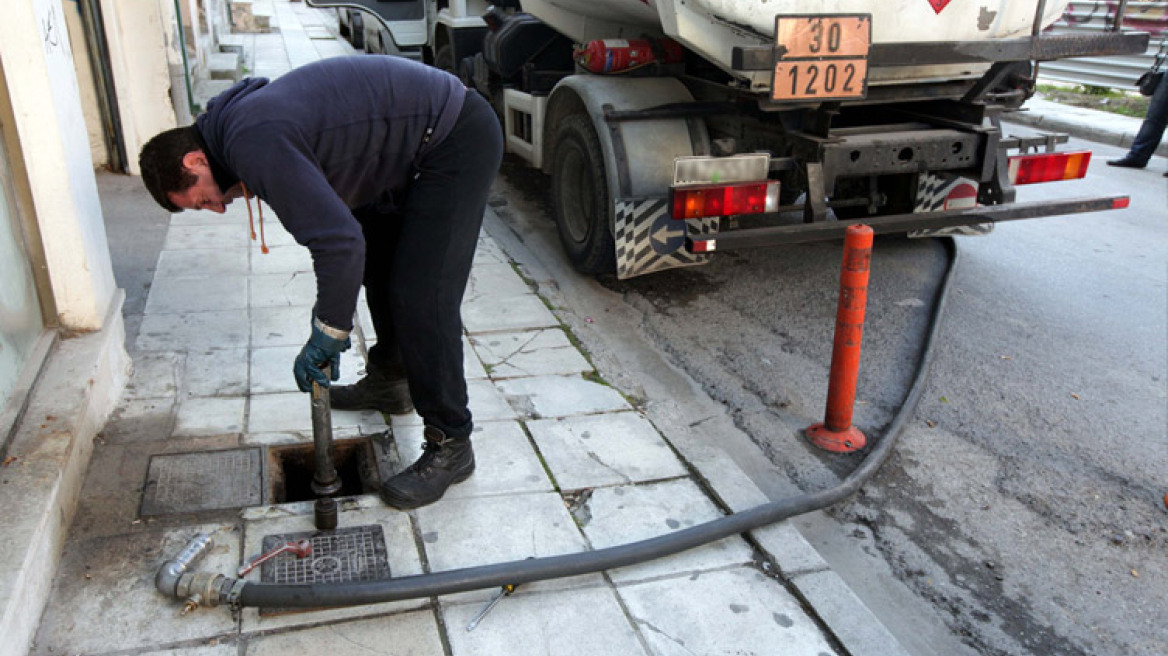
column 829, row 230
column 1046, row 47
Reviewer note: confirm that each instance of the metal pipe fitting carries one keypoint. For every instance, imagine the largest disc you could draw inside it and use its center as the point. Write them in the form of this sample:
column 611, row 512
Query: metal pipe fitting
column 167, row 578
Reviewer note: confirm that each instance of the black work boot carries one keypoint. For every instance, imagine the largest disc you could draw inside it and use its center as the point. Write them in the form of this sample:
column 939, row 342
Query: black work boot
column 375, row 391
column 444, row 462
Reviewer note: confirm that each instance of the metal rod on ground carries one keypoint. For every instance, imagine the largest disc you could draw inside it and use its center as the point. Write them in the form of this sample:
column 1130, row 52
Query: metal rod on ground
column 837, row 433
column 325, row 482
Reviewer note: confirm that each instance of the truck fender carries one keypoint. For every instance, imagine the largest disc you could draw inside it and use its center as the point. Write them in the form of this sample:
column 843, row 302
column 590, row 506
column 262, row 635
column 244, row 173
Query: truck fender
column 638, row 162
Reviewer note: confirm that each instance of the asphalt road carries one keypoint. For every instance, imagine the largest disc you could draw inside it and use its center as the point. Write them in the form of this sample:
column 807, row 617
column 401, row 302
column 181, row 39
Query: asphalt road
column 1023, row 511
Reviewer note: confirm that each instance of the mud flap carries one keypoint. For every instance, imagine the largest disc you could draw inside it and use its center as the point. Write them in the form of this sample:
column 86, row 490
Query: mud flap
column 937, row 192
column 648, row 239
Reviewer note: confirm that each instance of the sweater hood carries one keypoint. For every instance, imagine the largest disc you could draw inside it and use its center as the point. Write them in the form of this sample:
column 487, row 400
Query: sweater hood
column 212, row 126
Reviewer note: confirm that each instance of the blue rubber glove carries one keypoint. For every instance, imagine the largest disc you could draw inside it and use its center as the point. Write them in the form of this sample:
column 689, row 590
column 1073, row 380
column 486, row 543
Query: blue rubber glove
column 323, row 349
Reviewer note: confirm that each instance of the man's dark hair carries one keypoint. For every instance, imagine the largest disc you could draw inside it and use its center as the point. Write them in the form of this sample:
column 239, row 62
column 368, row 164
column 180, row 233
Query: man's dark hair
column 162, row 167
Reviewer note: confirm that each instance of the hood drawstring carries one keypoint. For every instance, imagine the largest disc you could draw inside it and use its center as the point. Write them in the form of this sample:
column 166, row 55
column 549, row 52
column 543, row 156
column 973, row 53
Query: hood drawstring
column 251, row 222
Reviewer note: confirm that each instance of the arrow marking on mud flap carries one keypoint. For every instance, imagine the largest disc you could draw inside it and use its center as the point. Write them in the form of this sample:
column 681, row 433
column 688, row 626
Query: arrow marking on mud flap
column 664, row 234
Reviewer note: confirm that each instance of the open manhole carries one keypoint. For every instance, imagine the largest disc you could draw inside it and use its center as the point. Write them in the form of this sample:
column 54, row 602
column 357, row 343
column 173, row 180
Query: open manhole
column 292, row 467
column 343, row 555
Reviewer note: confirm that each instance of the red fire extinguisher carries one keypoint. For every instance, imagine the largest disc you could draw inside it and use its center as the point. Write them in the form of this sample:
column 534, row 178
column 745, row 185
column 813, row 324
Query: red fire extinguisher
column 619, row 55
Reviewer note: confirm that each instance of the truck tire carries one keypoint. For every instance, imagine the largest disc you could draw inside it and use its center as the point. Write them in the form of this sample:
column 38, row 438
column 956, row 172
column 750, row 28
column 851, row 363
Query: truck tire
column 580, row 197
column 444, row 58
column 357, row 31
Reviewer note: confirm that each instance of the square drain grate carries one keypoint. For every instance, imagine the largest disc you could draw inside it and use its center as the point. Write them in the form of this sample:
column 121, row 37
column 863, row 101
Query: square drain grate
column 343, row 555
column 207, row 480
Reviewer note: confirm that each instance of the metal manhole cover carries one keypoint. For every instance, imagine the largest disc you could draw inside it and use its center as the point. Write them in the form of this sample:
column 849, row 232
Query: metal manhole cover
column 207, row 480
column 343, row 555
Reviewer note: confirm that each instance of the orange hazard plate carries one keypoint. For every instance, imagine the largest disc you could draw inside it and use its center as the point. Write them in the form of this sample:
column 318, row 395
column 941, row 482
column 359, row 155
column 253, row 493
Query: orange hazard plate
column 820, row 80
column 822, row 57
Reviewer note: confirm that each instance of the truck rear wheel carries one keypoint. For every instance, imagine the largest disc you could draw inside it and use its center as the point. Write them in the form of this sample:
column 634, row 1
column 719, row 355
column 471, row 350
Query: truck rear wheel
column 357, row 30
column 444, row 58
column 580, row 196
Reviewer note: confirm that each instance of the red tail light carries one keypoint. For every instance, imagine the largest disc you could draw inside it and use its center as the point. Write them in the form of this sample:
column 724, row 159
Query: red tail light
column 724, row 200
column 1048, row 167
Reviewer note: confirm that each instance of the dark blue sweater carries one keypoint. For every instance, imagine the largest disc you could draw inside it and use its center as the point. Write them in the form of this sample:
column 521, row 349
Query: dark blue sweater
column 332, row 136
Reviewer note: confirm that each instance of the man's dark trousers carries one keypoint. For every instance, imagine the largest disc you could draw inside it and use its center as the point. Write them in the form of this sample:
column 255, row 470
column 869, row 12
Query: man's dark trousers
column 418, row 260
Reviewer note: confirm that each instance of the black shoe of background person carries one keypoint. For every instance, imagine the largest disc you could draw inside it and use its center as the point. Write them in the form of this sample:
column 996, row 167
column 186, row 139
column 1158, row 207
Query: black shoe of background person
column 1127, row 163
column 444, row 462
column 373, row 392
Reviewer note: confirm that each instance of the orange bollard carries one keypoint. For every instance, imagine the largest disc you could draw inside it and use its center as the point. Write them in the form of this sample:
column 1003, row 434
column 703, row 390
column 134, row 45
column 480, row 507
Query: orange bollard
column 837, row 433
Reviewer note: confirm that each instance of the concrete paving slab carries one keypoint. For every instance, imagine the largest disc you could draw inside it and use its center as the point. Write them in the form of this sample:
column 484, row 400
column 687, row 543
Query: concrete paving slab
column 280, row 326
column 281, row 259
column 172, row 295
column 496, row 281
column 184, row 237
column 790, row 550
column 202, row 263
column 472, row 367
column 232, row 216
column 541, row 352
column 736, row 611
column 491, row 313
column 104, row 601
column 140, row 420
column 274, row 232
column 504, row 460
column 210, row 416
column 587, row 622
column 273, row 71
column 406, row 633
column 291, row 412
column 628, row 513
column 608, row 449
column 853, row 624
column 221, row 649
column 560, row 396
column 193, row 330
column 155, row 375
column 488, row 252
column 215, row 372
column 476, row 530
column 400, row 548
column 297, row 288
column 271, row 369
column 485, row 401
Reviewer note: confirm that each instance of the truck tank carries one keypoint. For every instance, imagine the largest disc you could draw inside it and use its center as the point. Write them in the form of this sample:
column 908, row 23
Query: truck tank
column 711, row 28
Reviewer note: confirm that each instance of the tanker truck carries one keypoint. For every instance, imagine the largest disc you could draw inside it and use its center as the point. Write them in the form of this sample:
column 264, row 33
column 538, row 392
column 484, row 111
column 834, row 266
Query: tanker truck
column 674, row 129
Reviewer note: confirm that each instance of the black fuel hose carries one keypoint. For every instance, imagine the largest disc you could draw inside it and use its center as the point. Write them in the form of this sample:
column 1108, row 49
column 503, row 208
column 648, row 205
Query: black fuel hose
column 315, row 595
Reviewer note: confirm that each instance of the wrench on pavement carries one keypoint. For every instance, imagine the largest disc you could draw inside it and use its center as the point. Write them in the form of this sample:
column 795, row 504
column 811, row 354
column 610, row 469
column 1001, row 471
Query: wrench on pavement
column 299, row 548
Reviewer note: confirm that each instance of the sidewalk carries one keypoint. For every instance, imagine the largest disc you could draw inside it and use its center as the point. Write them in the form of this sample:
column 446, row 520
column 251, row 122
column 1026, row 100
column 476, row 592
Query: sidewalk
column 206, row 437
column 1090, row 124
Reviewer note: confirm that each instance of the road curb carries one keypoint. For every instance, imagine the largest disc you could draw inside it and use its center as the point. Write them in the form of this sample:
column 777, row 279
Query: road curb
column 1090, row 124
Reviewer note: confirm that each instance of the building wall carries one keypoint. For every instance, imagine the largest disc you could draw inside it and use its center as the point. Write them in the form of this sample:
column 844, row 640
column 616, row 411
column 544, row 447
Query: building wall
column 82, row 66
column 143, row 42
column 54, row 145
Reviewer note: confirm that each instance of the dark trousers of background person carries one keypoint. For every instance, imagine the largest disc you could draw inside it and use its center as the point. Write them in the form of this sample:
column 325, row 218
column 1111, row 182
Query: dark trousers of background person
column 418, row 260
column 1152, row 129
